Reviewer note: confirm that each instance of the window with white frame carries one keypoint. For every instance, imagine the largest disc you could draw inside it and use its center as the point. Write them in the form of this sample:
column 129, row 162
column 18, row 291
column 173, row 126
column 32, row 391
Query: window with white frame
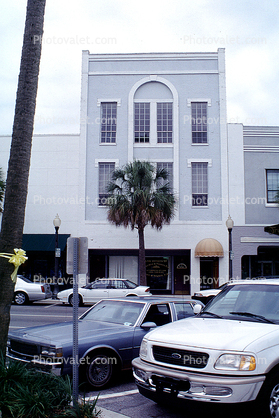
column 142, row 122
column 168, row 166
column 199, row 183
column 199, row 122
column 105, row 175
column 272, row 185
column 108, row 122
column 164, row 123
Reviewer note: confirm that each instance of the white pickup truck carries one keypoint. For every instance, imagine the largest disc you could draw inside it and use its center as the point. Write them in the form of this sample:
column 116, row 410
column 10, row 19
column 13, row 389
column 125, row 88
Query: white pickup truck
column 227, row 353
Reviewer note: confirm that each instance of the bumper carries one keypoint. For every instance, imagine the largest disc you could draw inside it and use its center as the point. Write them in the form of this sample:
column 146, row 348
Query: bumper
column 54, row 367
column 155, row 380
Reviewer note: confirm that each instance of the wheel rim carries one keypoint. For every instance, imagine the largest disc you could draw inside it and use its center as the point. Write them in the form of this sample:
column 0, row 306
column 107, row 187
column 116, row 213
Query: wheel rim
column 71, row 300
column 99, row 371
column 20, row 298
column 274, row 402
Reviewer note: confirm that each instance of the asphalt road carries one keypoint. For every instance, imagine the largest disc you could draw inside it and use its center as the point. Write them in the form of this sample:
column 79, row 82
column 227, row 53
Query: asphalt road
column 123, row 397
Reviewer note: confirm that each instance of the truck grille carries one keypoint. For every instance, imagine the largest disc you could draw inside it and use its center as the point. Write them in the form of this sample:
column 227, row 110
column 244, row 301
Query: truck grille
column 180, row 357
column 23, row 348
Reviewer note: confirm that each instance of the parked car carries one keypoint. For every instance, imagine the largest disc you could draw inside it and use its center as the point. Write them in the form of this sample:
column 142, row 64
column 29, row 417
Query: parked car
column 229, row 353
column 206, row 295
column 104, row 288
column 28, row 291
column 109, row 337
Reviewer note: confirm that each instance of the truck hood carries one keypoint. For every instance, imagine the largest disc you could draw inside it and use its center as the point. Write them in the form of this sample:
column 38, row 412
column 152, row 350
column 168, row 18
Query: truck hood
column 61, row 334
column 212, row 333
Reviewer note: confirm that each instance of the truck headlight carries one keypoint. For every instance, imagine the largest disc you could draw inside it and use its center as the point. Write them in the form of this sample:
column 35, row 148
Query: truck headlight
column 235, row 362
column 143, row 349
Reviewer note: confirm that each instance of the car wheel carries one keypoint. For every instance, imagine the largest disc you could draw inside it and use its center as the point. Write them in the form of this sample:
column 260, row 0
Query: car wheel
column 20, row 298
column 71, row 300
column 100, row 370
column 268, row 399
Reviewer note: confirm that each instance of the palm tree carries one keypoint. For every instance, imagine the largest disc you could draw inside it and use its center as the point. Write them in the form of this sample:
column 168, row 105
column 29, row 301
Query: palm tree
column 139, row 195
column 20, row 153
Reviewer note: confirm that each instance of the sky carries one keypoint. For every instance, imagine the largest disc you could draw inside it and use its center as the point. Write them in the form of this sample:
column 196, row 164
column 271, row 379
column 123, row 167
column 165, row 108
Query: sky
column 247, row 29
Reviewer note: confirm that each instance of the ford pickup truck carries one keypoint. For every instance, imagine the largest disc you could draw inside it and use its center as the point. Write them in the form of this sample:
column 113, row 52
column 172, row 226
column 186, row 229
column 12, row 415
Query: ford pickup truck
column 227, row 353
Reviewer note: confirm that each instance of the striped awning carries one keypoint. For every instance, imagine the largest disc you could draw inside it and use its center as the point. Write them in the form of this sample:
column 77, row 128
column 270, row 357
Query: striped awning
column 209, row 247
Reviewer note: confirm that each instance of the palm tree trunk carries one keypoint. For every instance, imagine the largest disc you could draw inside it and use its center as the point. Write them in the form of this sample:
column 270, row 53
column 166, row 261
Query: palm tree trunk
column 142, row 264
column 20, row 153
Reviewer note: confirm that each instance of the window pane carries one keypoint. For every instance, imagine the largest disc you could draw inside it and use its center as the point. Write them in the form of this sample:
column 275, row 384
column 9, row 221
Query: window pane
column 199, row 122
column 272, row 180
column 164, row 122
column 105, row 173
column 108, row 122
column 142, row 122
column 199, row 184
column 169, row 168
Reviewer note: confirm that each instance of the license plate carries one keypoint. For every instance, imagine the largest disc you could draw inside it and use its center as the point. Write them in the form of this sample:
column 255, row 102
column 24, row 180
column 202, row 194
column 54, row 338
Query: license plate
column 172, row 386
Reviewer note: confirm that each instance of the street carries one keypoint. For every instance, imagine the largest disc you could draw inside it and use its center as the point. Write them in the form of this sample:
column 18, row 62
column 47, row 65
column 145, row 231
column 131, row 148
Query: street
column 123, row 397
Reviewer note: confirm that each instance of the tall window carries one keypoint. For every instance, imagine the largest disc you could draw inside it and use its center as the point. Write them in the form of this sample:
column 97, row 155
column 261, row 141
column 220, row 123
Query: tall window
column 105, row 173
column 108, row 122
column 169, row 168
column 142, row 122
column 199, row 122
column 199, row 184
column 164, row 122
column 272, row 185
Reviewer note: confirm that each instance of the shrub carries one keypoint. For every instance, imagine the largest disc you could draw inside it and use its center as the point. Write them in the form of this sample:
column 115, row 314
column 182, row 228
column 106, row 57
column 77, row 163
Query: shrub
column 29, row 393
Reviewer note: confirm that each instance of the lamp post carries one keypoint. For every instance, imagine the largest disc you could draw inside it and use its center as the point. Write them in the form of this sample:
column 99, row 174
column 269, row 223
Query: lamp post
column 230, row 224
column 56, row 223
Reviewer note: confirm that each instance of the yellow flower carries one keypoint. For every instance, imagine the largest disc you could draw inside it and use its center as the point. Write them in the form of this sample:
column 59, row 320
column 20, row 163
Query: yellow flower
column 18, row 258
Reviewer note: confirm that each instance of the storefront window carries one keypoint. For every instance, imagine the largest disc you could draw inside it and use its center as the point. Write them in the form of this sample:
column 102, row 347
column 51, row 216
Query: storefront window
column 158, row 273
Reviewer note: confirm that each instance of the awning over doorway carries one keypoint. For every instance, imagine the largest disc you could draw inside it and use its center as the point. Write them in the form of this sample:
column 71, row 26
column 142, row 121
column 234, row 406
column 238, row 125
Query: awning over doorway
column 43, row 242
column 272, row 229
column 209, row 247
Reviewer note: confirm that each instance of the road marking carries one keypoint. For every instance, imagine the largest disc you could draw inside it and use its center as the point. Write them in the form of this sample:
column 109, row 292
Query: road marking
column 15, row 327
column 115, row 395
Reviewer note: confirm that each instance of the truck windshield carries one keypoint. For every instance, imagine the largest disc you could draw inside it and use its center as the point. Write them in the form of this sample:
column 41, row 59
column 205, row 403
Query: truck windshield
column 249, row 302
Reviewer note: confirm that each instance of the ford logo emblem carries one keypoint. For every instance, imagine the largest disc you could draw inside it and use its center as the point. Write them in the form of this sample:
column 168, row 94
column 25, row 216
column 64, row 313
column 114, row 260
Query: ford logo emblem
column 176, row 356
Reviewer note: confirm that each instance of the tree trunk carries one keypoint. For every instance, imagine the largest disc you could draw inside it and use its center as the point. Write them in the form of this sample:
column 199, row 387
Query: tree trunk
column 142, row 264
column 20, row 153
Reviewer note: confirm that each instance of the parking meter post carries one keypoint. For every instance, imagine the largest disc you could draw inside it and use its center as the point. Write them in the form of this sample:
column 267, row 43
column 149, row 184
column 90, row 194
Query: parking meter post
column 75, row 318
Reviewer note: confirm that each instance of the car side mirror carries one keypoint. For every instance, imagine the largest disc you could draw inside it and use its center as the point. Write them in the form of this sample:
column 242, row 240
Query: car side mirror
column 148, row 325
column 197, row 308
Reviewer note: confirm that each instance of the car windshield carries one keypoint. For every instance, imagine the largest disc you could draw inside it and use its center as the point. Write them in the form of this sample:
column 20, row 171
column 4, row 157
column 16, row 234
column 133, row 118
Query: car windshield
column 116, row 312
column 130, row 284
column 25, row 279
column 249, row 302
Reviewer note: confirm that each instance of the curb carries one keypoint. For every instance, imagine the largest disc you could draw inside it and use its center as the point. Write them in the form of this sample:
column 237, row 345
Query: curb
column 105, row 413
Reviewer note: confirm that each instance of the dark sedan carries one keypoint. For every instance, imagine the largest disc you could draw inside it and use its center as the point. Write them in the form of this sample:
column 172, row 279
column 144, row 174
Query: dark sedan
column 109, row 337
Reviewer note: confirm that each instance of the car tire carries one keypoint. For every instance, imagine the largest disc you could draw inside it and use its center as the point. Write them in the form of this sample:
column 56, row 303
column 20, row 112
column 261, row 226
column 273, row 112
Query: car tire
column 20, row 298
column 268, row 400
column 100, row 370
column 71, row 300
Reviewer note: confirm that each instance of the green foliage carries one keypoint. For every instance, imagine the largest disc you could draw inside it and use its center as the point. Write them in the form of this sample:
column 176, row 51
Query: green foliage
column 139, row 195
column 27, row 393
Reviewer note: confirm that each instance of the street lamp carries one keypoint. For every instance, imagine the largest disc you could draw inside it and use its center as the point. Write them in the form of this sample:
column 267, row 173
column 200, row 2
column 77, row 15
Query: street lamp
column 230, row 224
column 56, row 223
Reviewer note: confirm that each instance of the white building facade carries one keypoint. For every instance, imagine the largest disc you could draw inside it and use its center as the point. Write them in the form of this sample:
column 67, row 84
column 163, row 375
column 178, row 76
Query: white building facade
column 254, row 184
column 169, row 109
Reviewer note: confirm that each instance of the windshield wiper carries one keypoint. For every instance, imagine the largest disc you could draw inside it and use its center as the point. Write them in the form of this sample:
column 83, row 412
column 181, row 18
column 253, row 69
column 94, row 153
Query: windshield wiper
column 251, row 315
column 214, row 315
